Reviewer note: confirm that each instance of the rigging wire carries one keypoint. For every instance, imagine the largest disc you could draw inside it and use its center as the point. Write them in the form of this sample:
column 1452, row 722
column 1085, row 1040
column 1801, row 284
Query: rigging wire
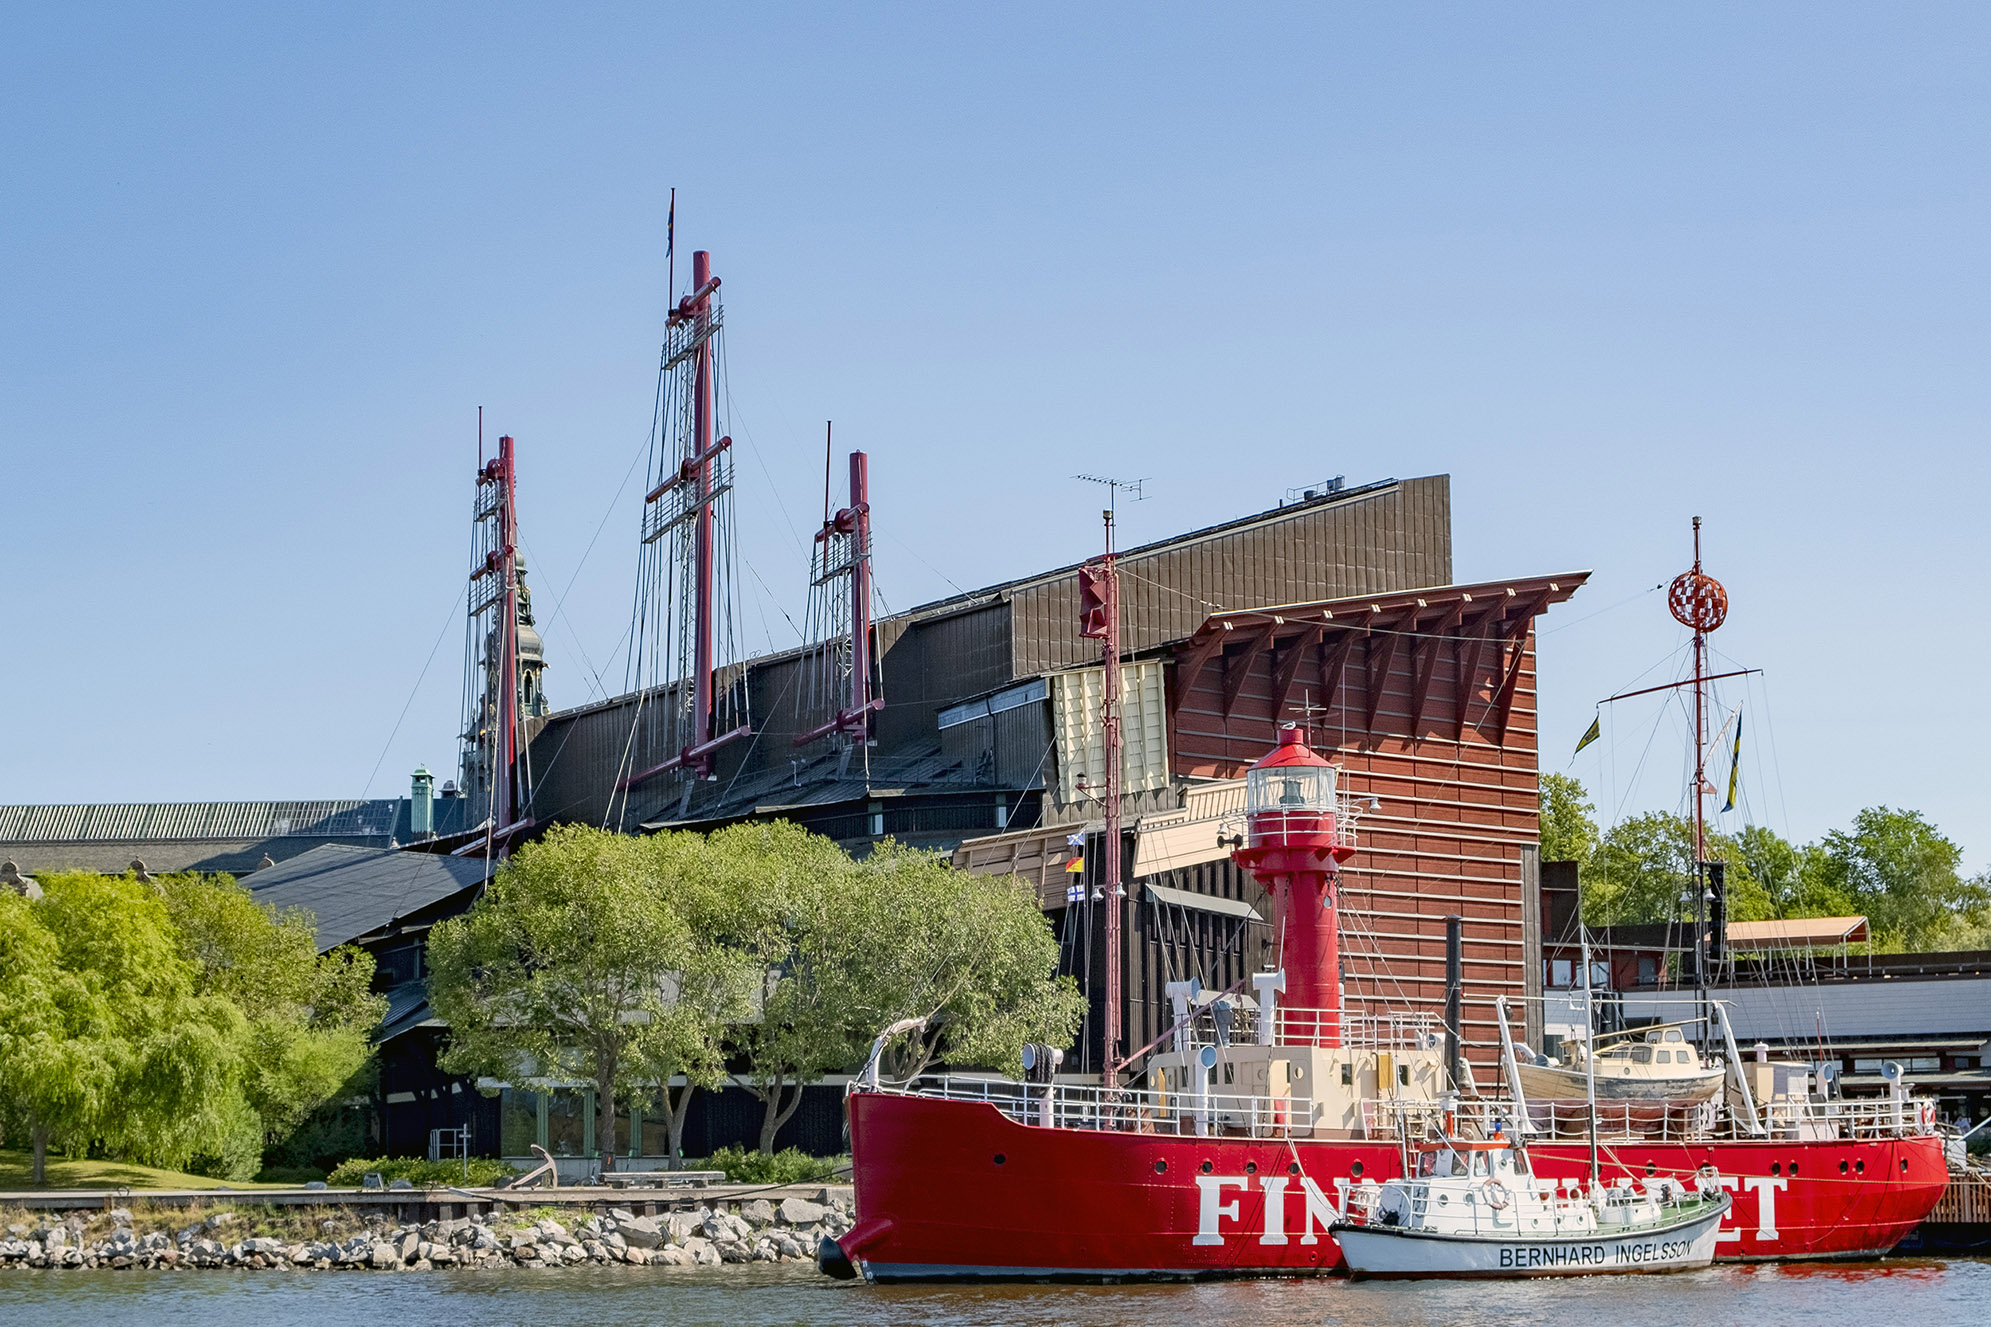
column 448, row 621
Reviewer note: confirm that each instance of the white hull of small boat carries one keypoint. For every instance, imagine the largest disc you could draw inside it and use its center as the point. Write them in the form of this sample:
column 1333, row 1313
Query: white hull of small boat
column 1385, row 1251
column 1553, row 1082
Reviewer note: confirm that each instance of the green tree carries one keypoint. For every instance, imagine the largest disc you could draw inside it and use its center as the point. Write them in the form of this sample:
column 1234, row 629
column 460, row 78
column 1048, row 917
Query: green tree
column 140, row 1063
column 1901, row 873
column 790, row 911
column 971, row 953
column 1569, row 830
column 716, row 986
column 35, row 1073
column 851, row 947
column 309, row 1018
column 568, row 969
column 1643, row 871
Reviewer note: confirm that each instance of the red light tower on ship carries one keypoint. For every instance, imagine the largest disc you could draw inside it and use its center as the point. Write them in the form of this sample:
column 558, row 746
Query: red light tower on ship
column 1294, row 849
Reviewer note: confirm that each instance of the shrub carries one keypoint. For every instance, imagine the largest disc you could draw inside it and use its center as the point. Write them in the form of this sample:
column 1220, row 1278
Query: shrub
column 419, row 1171
column 788, row 1166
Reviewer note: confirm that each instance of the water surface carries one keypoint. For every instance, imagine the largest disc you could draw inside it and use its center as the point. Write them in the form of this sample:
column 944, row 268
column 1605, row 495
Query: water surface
column 1901, row 1293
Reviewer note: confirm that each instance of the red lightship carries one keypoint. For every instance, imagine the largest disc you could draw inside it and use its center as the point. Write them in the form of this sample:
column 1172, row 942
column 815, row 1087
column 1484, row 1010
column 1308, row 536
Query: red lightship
column 1251, row 1126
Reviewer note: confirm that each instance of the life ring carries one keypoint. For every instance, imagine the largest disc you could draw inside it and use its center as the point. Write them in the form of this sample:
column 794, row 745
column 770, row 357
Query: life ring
column 1496, row 1194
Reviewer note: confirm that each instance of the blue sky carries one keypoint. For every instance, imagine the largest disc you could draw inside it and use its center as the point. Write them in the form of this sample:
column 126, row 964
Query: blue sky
column 1610, row 267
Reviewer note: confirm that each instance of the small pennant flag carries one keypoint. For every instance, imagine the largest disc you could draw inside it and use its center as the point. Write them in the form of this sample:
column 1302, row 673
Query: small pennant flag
column 1075, row 865
column 670, row 228
column 1590, row 734
column 1735, row 762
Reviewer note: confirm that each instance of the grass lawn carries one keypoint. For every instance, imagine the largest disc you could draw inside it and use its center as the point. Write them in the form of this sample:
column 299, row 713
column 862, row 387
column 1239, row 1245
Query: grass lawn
column 16, row 1166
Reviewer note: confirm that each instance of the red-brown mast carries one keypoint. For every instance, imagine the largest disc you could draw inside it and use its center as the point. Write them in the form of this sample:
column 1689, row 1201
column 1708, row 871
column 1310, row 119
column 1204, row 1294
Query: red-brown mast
column 701, row 452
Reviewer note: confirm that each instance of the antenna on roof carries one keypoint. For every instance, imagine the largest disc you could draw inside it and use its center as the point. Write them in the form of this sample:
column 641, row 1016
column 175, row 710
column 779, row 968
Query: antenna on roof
column 1115, row 487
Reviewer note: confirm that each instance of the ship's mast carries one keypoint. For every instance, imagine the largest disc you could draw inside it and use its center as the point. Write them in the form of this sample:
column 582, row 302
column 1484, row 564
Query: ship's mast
column 1110, row 727
column 493, row 772
column 1099, row 618
column 684, row 599
column 1697, row 600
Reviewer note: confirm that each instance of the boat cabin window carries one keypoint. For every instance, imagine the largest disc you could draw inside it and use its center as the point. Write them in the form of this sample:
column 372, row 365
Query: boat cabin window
column 1673, row 1034
column 1664, row 1057
column 1641, row 1055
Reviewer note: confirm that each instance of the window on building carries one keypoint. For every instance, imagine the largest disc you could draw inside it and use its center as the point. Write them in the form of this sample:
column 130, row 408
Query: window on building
column 567, row 1122
column 1914, row 1064
column 1561, row 972
column 518, row 1122
column 1648, row 970
column 624, row 1119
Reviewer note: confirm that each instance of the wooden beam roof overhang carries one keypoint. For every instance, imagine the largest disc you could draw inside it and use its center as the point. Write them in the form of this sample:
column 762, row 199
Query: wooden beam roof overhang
column 1463, row 620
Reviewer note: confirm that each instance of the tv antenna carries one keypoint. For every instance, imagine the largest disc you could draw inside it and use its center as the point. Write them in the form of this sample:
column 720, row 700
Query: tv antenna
column 1114, row 487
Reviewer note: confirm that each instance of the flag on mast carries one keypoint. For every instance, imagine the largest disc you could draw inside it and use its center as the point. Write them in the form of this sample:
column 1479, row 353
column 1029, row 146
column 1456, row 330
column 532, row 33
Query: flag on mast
column 1590, row 734
column 1735, row 762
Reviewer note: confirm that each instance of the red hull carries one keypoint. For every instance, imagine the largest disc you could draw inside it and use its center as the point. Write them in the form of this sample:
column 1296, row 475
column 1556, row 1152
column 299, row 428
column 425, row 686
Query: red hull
column 956, row 1189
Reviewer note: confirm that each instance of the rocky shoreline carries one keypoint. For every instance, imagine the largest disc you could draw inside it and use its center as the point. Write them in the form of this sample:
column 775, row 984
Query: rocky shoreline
column 708, row 1236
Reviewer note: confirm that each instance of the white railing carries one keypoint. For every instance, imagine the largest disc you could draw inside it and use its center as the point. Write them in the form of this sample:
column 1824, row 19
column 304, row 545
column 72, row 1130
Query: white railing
column 1657, row 1121
column 1127, row 1110
column 1351, row 1026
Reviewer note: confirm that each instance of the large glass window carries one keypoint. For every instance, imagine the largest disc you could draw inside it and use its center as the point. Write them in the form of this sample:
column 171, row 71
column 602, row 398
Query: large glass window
column 567, row 1122
column 518, row 1121
column 622, row 1127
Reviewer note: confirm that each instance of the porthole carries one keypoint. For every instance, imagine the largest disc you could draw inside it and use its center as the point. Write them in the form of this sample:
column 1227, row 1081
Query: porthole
column 1251, row 1167
column 1904, row 1165
column 1860, row 1167
column 1356, row 1170
column 1292, row 1167
column 1161, row 1167
column 1843, row 1167
column 1650, row 1170
column 1207, row 1168
column 1776, row 1168
column 1793, row 1167
column 1000, row 1158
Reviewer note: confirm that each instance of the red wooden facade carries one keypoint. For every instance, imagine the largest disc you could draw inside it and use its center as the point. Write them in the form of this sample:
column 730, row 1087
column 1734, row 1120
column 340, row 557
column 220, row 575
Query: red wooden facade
column 1426, row 699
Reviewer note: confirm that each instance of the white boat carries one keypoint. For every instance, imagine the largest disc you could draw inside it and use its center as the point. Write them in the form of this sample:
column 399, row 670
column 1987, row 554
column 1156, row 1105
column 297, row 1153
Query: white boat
column 1476, row 1209
column 1645, row 1064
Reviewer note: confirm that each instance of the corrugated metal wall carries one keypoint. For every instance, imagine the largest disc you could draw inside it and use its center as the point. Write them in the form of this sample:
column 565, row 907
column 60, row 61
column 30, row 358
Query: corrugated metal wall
column 1396, row 538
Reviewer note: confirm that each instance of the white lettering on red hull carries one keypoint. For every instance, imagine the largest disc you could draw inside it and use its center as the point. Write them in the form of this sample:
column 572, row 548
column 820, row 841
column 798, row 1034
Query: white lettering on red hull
column 1212, row 1205
column 1318, row 1214
column 1765, row 1188
column 1275, row 1209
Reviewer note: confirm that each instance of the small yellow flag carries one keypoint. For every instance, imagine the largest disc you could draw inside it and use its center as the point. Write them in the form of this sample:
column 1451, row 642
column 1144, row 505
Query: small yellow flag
column 1735, row 762
column 1075, row 866
column 1590, row 734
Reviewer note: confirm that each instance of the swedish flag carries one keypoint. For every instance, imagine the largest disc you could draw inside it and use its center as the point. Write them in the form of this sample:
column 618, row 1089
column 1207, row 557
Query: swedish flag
column 1735, row 762
column 1590, row 734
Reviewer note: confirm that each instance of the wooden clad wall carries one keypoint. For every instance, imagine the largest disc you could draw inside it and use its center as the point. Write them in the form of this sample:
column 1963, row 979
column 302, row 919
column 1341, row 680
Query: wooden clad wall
column 1458, row 791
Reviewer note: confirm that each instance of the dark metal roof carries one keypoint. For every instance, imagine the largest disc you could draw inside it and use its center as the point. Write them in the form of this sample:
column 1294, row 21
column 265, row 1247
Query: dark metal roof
column 171, row 821
column 351, row 892
column 407, row 1009
column 818, row 782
